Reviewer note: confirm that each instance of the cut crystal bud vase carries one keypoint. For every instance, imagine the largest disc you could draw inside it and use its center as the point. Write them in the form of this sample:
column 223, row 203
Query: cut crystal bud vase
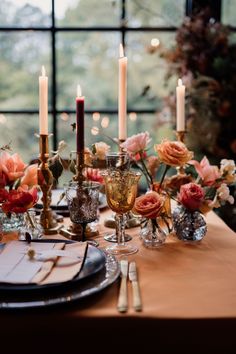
column 189, row 226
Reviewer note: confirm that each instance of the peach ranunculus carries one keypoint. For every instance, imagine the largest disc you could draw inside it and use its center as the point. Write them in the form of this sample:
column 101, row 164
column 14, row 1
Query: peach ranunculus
column 30, row 177
column 208, row 173
column 191, row 196
column 12, row 166
column 149, row 205
column 100, row 150
column 136, row 143
column 173, row 153
column 20, row 200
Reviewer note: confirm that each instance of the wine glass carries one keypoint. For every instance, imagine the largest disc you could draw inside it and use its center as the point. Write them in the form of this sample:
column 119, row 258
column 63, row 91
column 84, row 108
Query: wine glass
column 121, row 190
column 116, row 161
column 83, row 200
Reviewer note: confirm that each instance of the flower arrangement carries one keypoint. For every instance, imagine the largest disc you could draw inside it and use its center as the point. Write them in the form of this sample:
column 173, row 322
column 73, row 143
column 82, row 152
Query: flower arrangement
column 18, row 191
column 204, row 56
column 209, row 188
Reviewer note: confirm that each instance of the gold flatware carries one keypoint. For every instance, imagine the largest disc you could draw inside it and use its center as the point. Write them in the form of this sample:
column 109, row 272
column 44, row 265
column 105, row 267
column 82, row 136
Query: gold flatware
column 122, row 305
column 133, row 277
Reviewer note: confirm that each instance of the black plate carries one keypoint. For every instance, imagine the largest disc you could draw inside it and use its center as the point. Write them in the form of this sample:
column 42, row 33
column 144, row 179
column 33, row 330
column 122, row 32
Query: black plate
column 94, row 262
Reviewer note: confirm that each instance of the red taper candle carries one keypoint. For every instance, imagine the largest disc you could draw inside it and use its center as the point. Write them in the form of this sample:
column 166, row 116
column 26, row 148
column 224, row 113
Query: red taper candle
column 79, row 120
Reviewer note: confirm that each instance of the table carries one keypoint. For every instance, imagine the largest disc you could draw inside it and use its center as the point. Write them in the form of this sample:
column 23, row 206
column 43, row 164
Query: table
column 189, row 304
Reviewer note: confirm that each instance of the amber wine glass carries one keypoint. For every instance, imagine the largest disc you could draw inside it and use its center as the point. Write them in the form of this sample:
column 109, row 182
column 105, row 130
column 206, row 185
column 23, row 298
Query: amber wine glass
column 121, row 190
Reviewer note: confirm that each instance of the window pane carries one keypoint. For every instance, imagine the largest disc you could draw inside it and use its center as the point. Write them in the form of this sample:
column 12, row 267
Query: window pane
column 155, row 13
column 91, row 60
column 146, row 70
column 19, row 130
column 22, row 55
column 228, row 12
column 25, row 13
column 87, row 13
column 95, row 128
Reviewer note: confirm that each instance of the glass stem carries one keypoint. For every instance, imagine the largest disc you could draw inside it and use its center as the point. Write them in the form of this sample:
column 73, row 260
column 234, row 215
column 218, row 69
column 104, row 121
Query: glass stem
column 120, row 220
column 84, row 224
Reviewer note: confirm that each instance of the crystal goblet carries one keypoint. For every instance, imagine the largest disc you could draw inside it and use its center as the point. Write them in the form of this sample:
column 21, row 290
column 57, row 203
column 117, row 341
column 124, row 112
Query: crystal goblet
column 121, row 189
column 116, row 161
column 83, row 200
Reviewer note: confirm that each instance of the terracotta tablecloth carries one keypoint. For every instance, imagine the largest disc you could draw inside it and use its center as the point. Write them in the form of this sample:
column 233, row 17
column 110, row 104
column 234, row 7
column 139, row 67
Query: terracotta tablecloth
column 188, row 293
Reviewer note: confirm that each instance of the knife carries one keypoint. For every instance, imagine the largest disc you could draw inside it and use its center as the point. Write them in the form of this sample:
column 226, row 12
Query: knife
column 133, row 277
column 122, row 305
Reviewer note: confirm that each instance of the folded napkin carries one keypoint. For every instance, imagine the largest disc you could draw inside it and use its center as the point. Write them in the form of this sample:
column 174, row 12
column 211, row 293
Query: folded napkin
column 66, row 268
column 16, row 267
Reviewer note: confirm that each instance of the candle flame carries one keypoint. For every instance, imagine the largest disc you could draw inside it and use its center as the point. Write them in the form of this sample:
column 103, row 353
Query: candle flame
column 79, row 91
column 43, row 71
column 180, row 83
column 121, row 51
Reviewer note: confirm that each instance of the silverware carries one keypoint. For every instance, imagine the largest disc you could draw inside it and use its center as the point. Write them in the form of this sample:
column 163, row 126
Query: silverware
column 122, row 304
column 133, row 277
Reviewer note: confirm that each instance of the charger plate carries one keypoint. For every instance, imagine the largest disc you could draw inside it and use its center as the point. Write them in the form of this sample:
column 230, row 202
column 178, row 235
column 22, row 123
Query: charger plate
column 91, row 279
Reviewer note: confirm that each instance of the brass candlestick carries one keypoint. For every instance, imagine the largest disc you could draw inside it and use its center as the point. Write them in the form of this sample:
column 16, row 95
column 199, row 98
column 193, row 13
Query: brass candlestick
column 45, row 180
column 180, row 137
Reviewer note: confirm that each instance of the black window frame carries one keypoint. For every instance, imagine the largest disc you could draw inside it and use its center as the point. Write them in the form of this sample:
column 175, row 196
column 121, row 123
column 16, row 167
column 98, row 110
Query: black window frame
column 122, row 29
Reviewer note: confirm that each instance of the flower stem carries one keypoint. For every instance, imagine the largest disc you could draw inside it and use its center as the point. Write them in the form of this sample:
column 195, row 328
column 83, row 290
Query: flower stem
column 30, row 219
column 147, row 174
column 164, row 174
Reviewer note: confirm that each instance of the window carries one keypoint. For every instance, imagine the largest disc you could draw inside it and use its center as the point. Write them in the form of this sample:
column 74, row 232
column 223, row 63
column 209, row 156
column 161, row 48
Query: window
column 78, row 42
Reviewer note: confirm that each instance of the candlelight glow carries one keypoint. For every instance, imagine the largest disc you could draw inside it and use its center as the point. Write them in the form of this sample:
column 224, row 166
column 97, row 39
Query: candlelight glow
column 64, row 116
column 43, row 71
column 105, row 122
column 94, row 131
column 180, row 83
column 96, row 116
column 79, row 91
column 121, row 51
column 3, row 119
column 155, row 42
column 133, row 116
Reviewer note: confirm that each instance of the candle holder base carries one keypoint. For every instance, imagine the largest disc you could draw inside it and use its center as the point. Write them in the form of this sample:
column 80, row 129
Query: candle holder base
column 75, row 232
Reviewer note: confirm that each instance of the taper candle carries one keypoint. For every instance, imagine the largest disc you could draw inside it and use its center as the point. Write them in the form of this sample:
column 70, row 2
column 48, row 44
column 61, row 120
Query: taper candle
column 79, row 120
column 122, row 108
column 180, row 106
column 43, row 103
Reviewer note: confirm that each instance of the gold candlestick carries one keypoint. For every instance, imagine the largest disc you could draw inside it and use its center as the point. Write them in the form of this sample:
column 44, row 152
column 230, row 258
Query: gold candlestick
column 45, row 179
column 180, row 137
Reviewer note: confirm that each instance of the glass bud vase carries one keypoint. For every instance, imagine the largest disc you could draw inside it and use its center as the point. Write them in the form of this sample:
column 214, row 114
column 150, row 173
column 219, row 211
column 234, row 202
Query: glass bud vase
column 152, row 233
column 189, row 226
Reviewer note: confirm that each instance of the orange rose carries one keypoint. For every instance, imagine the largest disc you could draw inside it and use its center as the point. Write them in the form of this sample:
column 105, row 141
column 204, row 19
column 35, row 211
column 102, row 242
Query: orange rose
column 149, row 205
column 173, row 153
column 30, row 177
column 12, row 166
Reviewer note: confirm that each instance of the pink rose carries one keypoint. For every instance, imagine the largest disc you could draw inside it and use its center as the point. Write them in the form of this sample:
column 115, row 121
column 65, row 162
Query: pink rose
column 149, row 205
column 173, row 153
column 208, row 173
column 191, row 196
column 136, row 143
column 30, row 177
column 12, row 166
column 93, row 174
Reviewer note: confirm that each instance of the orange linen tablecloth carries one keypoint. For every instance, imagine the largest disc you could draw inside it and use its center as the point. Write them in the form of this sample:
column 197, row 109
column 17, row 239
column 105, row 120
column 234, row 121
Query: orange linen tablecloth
column 189, row 303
